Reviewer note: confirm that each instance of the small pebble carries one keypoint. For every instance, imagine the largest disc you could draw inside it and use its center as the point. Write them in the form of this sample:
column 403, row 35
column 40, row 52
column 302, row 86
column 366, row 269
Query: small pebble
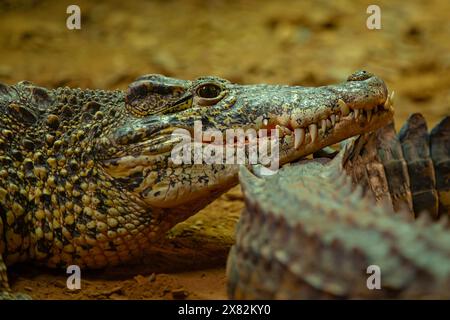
column 179, row 293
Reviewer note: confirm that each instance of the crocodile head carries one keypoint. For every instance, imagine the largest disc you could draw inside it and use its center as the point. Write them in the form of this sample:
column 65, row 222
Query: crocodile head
column 138, row 150
column 93, row 175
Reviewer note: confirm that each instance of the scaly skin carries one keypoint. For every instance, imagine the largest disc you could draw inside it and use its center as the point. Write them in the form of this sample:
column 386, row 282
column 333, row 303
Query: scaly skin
column 86, row 175
column 410, row 171
column 306, row 232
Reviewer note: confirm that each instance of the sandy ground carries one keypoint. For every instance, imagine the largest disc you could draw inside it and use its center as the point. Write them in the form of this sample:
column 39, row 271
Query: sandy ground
column 293, row 42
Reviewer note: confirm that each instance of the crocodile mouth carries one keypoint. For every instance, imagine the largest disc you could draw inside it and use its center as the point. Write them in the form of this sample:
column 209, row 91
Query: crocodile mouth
column 334, row 126
column 294, row 134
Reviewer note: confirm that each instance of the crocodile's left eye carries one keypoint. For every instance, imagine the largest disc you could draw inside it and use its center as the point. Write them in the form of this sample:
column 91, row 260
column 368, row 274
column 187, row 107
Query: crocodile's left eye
column 209, row 91
column 208, row 94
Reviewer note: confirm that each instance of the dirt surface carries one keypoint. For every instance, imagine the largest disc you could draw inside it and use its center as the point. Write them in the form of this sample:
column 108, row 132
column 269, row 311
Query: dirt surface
column 292, row 42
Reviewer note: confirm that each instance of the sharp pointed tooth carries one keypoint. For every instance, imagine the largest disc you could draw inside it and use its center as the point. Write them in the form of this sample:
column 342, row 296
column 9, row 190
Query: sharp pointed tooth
column 313, row 131
column 391, row 98
column 265, row 122
column 344, row 107
column 260, row 171
column 389, row 101
column 279, row 129
column 333, row 119
column 338, row 118
column 323, row 125
column 356, row 113
column 283, row 129
column 375, row 110
column 329, row 125
column 299, row 137
column 369, row 115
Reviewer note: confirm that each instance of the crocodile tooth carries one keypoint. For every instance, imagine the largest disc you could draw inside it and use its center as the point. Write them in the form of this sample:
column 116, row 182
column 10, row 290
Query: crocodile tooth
column 329, row 125
column 369, row 115
column 323, row 124
column 344, row 107
column 313, row 132
column 375, row 110
column 333, row 119
column 260, row 171
column 338, row 118
column 279, row 129
column 356, row 114
column 389, row 101
column 265, row 122
column 283, row 129
column 299, row 137
column 391, row 98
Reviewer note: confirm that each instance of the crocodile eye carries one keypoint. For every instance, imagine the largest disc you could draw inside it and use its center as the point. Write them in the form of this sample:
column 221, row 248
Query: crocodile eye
column 208, row 94
column 208, row 91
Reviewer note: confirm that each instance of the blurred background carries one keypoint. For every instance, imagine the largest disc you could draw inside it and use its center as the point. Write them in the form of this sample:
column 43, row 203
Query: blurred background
column 306, row 43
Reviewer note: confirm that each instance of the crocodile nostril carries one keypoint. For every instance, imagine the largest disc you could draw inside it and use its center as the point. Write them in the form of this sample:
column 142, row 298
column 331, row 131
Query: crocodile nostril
column 360, row 75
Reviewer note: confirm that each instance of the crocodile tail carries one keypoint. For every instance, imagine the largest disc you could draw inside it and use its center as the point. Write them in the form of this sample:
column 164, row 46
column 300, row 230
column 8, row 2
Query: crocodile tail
column 377, row 164
column 415, row 141
column 410, row 170
column 389, row 150
column 440, row 153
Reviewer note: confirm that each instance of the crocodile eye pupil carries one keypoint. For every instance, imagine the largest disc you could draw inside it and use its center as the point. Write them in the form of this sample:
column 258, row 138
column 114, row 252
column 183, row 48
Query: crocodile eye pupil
column 208, row 91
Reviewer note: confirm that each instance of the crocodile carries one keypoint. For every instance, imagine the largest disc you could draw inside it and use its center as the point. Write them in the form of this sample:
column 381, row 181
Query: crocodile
column 317, row 228
column 87, row 176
